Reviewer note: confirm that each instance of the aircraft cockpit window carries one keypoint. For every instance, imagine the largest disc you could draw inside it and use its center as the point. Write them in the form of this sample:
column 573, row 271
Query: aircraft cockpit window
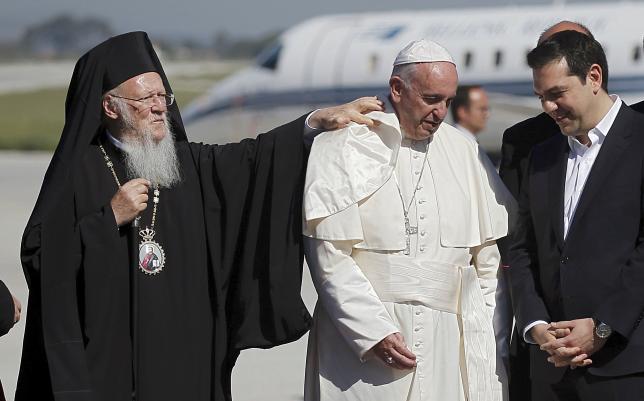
column 637, row 54
column 498, row 58
column 269, row 57
column 468, row 59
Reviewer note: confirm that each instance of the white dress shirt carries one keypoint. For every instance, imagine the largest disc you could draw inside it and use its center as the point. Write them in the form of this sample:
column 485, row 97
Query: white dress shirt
column 580, row 162
column 581, row 159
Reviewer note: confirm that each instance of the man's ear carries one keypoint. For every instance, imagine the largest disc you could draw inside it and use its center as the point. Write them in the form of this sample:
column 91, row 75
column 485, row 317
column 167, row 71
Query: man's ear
column 108, row 108
column 594, row 77
column 396, row 86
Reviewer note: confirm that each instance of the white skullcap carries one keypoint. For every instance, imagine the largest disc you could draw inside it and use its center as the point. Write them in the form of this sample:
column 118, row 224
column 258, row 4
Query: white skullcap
column 423, row 51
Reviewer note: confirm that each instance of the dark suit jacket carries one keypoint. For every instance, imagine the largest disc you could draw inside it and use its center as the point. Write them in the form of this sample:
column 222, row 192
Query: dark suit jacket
column 638, row 107
column 518, row 141
column 599, row 270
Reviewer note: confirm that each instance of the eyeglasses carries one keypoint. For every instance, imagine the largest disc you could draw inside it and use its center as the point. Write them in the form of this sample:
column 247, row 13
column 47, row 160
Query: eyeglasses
column 166, row 99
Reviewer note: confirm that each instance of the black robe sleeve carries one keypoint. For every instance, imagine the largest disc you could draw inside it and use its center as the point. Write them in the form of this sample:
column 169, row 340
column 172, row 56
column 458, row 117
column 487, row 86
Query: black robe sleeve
column 6, row 309
column 252, row 194
column 33, row 379
column 64, row 348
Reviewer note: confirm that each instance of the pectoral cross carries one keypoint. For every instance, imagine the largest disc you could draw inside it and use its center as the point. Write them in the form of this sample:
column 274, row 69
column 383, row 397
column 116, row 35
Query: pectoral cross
column 409, row 230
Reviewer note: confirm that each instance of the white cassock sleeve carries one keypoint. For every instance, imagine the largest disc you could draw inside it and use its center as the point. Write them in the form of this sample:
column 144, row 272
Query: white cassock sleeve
column 347, row 295
column 487, row 259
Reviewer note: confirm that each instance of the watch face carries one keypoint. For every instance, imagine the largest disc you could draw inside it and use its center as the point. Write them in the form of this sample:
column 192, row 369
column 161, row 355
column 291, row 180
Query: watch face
column 603, row 330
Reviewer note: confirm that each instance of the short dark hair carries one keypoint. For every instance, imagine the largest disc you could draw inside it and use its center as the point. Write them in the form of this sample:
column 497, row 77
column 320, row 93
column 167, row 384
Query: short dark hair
column 462, row 99
column 579, row 50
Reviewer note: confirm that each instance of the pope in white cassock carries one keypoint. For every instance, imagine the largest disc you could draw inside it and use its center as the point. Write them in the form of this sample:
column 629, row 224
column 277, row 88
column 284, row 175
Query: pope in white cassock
column 401, row 221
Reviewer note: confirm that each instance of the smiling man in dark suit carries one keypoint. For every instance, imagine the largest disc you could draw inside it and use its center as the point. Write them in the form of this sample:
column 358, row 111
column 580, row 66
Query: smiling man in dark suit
column 518, row 141
column 577, row 257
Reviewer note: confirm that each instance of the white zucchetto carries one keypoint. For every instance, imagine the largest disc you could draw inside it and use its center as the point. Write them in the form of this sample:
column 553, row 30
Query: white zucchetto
column 423, row 51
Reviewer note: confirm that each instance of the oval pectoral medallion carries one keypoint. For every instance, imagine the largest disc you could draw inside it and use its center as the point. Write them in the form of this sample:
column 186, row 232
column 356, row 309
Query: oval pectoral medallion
column 151, row 257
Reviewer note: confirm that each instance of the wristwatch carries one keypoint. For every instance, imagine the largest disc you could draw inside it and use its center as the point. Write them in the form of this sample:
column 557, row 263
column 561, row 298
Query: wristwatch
column 602, row 330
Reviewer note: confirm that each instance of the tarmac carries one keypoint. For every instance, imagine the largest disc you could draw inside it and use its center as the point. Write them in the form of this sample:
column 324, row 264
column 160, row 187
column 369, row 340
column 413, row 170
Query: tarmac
column 275, row 374
column 30, row 76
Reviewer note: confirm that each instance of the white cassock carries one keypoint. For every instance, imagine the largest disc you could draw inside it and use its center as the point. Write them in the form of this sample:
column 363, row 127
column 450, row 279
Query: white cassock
column 440, row 296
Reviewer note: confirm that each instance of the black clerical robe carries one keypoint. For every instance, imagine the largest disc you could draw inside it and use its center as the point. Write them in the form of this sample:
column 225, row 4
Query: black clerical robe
column 231, row 234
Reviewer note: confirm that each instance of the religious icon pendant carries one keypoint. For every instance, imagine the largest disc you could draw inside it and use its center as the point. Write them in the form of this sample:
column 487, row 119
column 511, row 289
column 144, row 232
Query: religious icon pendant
column 151, row 254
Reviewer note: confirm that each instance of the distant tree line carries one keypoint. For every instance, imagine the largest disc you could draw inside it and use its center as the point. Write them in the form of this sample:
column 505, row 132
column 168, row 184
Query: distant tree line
column 231, row 47
column 65, row 36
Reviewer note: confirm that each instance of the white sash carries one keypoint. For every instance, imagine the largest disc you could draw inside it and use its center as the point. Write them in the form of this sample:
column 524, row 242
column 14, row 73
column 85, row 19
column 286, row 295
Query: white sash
column 445, row 287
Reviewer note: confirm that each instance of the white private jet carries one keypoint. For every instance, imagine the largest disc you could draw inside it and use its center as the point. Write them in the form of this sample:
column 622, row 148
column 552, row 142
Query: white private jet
column 337, row 58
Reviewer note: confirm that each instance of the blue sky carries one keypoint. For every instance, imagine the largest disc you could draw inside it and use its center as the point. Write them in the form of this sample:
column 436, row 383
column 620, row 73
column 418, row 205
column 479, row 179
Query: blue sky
column 201, row 19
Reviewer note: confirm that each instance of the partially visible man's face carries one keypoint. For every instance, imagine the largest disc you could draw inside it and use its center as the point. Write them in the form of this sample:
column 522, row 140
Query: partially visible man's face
column 149, row 114
column 474, row 116
column 564, row 97
column 423, row 105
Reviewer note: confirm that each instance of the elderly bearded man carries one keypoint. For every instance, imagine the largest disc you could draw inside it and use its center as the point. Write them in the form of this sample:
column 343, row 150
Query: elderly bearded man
column 402, row 220
column 222, row 224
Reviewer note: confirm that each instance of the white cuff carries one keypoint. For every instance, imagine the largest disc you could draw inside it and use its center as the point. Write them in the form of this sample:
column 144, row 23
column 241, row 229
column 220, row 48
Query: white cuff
column 309, row 132
column 526, row 332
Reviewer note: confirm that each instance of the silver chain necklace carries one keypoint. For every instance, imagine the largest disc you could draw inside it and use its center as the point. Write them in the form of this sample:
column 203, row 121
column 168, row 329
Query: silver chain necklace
column 409, row 229
column 151, row 254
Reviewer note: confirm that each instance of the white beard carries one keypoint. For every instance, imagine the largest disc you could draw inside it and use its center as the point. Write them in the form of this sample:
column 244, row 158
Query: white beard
column 154, row 161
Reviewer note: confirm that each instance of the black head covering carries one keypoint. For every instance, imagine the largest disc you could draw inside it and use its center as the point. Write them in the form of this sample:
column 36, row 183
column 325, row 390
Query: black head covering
column 103, row 68
column 135, row 56
column 53, row 326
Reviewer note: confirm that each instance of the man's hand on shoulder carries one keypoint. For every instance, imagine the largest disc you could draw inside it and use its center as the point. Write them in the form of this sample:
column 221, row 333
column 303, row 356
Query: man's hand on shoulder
column 130, row 200
column 332, row 118
column 393, row 352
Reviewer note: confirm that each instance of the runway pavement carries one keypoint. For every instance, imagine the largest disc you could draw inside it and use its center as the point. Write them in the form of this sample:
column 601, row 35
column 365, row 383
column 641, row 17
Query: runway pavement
column 276, row 374
column 29, row 76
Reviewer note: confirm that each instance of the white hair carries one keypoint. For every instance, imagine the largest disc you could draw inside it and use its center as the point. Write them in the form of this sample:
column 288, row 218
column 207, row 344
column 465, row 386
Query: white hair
column 405, row 72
